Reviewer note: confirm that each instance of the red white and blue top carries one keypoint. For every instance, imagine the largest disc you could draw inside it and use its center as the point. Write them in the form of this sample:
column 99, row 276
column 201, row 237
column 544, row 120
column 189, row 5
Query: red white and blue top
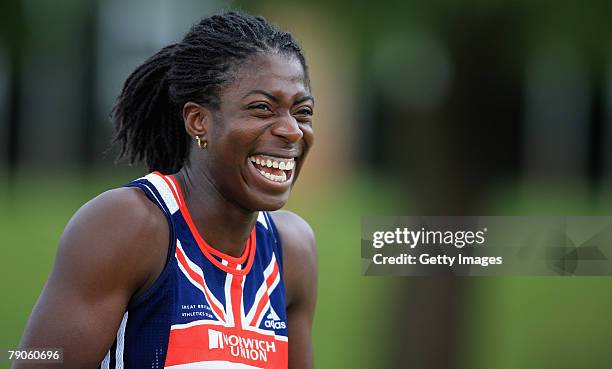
column 207, row 309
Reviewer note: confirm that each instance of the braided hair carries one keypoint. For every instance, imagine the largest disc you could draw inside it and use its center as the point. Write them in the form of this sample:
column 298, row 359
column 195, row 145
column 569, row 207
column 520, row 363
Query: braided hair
column 148, row 113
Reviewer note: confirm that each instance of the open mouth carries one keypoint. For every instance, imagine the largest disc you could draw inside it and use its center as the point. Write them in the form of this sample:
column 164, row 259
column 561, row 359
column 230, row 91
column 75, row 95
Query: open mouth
column 273, row 168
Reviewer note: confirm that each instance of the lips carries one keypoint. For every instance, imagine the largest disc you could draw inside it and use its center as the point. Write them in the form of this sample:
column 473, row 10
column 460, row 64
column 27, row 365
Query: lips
column 272, row 168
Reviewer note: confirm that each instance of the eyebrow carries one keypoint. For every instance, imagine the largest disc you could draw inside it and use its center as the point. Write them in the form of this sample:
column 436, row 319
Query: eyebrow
column 273, row 98
column 304, row 98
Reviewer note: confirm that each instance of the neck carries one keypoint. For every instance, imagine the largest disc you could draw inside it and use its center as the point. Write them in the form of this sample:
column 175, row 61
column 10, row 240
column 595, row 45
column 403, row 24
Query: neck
column 222, row 223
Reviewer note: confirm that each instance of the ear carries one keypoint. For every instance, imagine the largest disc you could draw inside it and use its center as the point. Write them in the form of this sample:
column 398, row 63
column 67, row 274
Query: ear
column 197, row 119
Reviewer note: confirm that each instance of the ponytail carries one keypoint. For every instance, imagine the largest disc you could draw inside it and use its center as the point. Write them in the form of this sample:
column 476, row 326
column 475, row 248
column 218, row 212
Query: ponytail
column 148, row 124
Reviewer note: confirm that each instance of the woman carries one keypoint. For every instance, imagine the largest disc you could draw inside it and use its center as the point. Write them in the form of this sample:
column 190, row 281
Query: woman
column 186, row 267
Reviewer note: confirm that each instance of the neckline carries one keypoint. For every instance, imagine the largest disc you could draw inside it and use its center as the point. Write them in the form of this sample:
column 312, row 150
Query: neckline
column 228, row 263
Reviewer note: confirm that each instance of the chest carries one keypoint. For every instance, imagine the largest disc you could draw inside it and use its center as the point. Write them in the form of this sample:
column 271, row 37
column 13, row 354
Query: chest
column 229, row 317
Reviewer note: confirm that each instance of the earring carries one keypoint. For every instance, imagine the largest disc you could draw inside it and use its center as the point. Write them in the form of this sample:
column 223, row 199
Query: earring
column 202, row 144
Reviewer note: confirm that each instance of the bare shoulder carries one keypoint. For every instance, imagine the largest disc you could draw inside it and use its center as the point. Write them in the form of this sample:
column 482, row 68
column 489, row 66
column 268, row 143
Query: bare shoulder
column 127, row 209
column 292, row 225
column 119, row 231
column 122, row 214
column 299, row 254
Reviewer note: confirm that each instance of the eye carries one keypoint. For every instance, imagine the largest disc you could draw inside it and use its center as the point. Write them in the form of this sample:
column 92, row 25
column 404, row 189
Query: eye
column 304, row 111
column 260, row 106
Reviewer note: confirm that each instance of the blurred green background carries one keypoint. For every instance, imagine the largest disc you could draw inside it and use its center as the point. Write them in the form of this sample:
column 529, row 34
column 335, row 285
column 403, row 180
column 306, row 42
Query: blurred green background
column 423, row 108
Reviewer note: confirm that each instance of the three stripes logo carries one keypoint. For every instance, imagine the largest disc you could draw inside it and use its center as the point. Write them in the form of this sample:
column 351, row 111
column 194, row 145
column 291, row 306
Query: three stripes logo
column 274, row 321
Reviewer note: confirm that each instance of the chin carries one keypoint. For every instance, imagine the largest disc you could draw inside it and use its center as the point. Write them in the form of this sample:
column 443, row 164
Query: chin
column 259, row 202
column 273, row 205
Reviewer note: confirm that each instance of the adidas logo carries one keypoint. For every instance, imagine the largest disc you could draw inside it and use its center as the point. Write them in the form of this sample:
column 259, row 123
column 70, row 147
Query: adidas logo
column 274, row 321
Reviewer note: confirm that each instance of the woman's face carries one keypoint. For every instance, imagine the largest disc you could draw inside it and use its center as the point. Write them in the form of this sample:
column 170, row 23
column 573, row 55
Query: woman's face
column 260, row 135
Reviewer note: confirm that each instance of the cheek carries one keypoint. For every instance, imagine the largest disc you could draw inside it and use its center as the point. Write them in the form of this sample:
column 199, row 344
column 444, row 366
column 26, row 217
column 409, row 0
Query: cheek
column 237, row 141
column 308, row 135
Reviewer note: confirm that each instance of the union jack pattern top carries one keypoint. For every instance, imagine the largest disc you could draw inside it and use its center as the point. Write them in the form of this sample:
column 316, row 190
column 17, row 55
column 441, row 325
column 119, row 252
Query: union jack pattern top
column 207, row 309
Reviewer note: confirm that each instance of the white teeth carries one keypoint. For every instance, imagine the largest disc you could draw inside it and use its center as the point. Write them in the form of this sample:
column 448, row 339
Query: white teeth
column 280, row 163
column 284, row 164
column 272, row 177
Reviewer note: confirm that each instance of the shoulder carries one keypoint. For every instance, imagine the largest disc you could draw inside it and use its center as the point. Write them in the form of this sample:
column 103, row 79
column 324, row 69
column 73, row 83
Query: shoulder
column 127, row 208
column 299, row 254
column 294, row 230
column 119, row 232
column 120, row 214
column 296, row 235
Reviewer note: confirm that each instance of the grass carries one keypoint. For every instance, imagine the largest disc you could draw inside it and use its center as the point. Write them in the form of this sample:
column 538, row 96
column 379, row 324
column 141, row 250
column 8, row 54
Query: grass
column 540, row 322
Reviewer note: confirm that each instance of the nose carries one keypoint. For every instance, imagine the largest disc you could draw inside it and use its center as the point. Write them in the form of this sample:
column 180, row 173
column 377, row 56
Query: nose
column 287, row 128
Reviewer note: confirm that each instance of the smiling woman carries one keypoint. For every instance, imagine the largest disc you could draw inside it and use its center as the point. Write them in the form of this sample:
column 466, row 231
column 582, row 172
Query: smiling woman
column 194, row 265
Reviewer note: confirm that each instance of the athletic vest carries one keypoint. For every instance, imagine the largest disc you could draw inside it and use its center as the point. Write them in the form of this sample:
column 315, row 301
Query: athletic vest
column 207, row 309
